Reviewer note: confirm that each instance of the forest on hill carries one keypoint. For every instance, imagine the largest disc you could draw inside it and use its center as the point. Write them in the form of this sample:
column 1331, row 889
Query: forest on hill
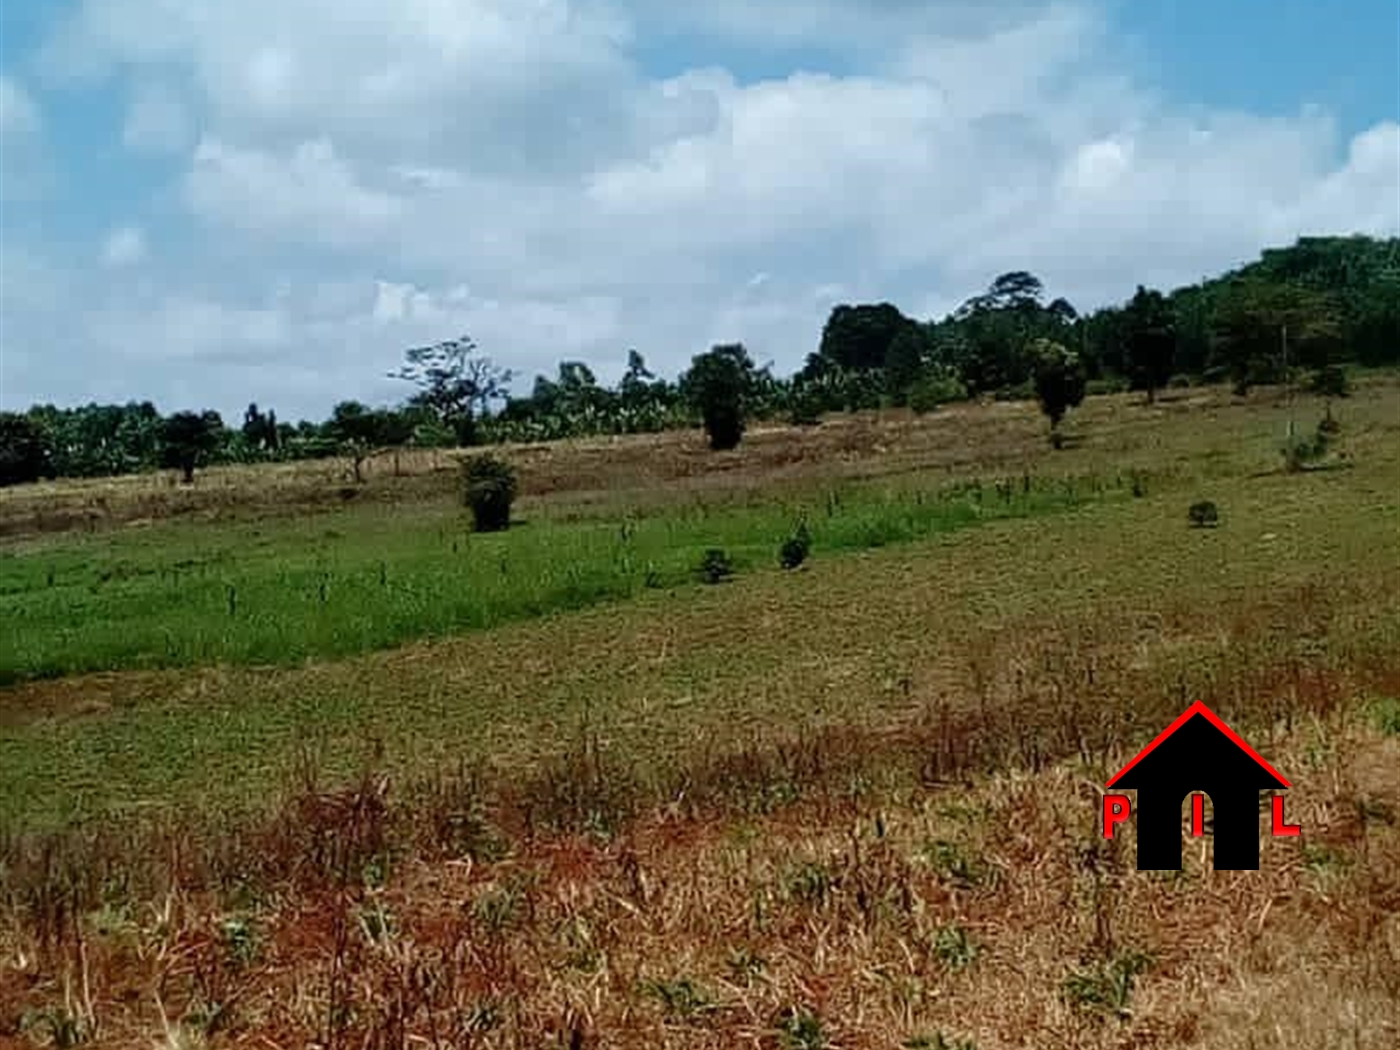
column 1315, row 307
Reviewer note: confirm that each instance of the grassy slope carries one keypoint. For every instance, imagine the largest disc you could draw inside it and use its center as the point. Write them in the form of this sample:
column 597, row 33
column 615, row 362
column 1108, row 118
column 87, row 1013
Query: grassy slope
column 850, row 639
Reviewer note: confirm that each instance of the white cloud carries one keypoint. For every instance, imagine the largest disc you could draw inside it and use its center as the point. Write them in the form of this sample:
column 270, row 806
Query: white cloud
column 370, row 176
column 124, row 246
column 312, row 194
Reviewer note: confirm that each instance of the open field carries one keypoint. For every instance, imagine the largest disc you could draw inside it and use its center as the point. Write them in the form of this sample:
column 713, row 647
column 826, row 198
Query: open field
column 544, row 789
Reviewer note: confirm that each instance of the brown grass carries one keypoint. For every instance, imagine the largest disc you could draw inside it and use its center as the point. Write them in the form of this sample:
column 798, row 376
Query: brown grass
column 700, row 926
column 644, row 468
column 855, row 805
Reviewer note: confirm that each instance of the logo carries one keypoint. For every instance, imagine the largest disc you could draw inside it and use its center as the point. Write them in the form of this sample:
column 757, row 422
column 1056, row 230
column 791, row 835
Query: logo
column 1197, row 755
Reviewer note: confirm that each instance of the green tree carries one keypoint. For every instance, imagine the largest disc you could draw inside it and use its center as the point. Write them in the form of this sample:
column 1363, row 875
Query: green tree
column 454, row 383
column 260, row 430
column 188, row 440
column 859, row 337
column 718, row 385
column 24, row 450
column 1151, row 341
column 905, row 361
column 1060, row 381
column 1258, row 321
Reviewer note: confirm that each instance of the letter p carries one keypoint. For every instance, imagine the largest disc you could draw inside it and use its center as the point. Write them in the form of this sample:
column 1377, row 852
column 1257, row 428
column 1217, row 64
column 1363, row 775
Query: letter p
column 1115, row 811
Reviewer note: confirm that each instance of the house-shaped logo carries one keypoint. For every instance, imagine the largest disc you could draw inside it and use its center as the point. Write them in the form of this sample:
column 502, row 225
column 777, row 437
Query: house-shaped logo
column 1197, row 755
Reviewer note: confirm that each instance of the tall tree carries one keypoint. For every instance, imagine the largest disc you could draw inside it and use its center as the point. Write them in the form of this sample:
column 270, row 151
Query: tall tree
column 24, row 450
column 188, row 440
column 1259, row 321
column 1151, row 340
column 454, row 383
column 859, row 337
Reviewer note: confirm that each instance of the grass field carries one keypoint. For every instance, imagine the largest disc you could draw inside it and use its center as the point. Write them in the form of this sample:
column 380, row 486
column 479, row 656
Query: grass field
column 546, row 789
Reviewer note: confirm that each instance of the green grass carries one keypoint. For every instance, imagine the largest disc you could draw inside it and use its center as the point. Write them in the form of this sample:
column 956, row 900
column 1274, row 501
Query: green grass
column 361, row 580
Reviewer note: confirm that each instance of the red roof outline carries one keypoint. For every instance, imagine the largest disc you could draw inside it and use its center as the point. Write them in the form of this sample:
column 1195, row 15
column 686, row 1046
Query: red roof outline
column 1199, row 708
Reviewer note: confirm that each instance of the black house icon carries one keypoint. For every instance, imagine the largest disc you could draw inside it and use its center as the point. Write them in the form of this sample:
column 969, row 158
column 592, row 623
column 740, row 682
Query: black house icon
column 1198, row 752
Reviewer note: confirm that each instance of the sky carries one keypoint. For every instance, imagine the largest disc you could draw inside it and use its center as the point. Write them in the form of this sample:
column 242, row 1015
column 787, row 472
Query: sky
column 207, row 204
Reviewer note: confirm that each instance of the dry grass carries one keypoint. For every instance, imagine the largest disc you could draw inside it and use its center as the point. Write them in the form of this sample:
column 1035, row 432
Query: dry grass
column 645, row 469
column 850, row 919
column 850, row 807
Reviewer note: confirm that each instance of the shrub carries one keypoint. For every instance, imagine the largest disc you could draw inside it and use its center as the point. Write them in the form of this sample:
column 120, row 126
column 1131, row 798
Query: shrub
column 1059, row 379
column 1331, row 381
column 936, row 389
column 1180, row 381
column 715, row 566
column 490, row 491
column 1203, row 514
column 720, row 385
column 796, row 547
column 1300, row 451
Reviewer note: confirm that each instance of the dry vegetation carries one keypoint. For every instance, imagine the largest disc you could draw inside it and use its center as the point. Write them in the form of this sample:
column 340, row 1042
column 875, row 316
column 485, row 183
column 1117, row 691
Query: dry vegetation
column 850, row 807
column 631, row 469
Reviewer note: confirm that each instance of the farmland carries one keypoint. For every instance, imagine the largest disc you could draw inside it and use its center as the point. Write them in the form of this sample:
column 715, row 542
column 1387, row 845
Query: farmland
column 287, row 761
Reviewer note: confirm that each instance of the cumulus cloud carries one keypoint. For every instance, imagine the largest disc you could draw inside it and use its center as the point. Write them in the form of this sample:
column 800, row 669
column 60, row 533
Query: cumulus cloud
column 369, row 177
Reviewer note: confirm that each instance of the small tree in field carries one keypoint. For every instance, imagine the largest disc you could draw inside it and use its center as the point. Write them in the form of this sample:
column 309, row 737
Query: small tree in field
column 187, row 439
column 1060, row 381
column 718, row 385
column 491, row 486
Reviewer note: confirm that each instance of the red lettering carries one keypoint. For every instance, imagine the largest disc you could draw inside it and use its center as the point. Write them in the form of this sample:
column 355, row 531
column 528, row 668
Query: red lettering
column 1280, row 828
column 1115, row 811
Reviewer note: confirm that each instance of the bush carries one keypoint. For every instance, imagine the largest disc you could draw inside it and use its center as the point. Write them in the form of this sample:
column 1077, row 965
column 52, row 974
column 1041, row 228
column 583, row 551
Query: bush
column 1180, row 381
column 715, row 566
column 1331, row 381
column 795, row 548
column 719, row 385
column 1203, row 514
column 934, row 390
column 1299, row 451
column 490, row 491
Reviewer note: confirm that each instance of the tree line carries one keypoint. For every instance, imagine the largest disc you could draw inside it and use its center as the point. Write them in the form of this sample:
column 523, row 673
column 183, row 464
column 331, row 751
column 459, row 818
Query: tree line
column 1318, row 305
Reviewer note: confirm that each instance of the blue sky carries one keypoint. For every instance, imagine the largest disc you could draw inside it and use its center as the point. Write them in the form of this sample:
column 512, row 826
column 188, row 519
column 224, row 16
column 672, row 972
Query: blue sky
column 204, row 213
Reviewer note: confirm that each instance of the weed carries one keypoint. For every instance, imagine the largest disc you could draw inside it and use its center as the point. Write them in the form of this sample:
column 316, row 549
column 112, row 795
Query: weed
column 954, row 865
column 1107, row 987
column 1203, row 514
column 954, row 948
column 810, row 883
column 938, row 1041
column 240, row 940
column 1385, row 714
column 715, row 566
column 800, row 1028
column 681, row 998
column 796, row 547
